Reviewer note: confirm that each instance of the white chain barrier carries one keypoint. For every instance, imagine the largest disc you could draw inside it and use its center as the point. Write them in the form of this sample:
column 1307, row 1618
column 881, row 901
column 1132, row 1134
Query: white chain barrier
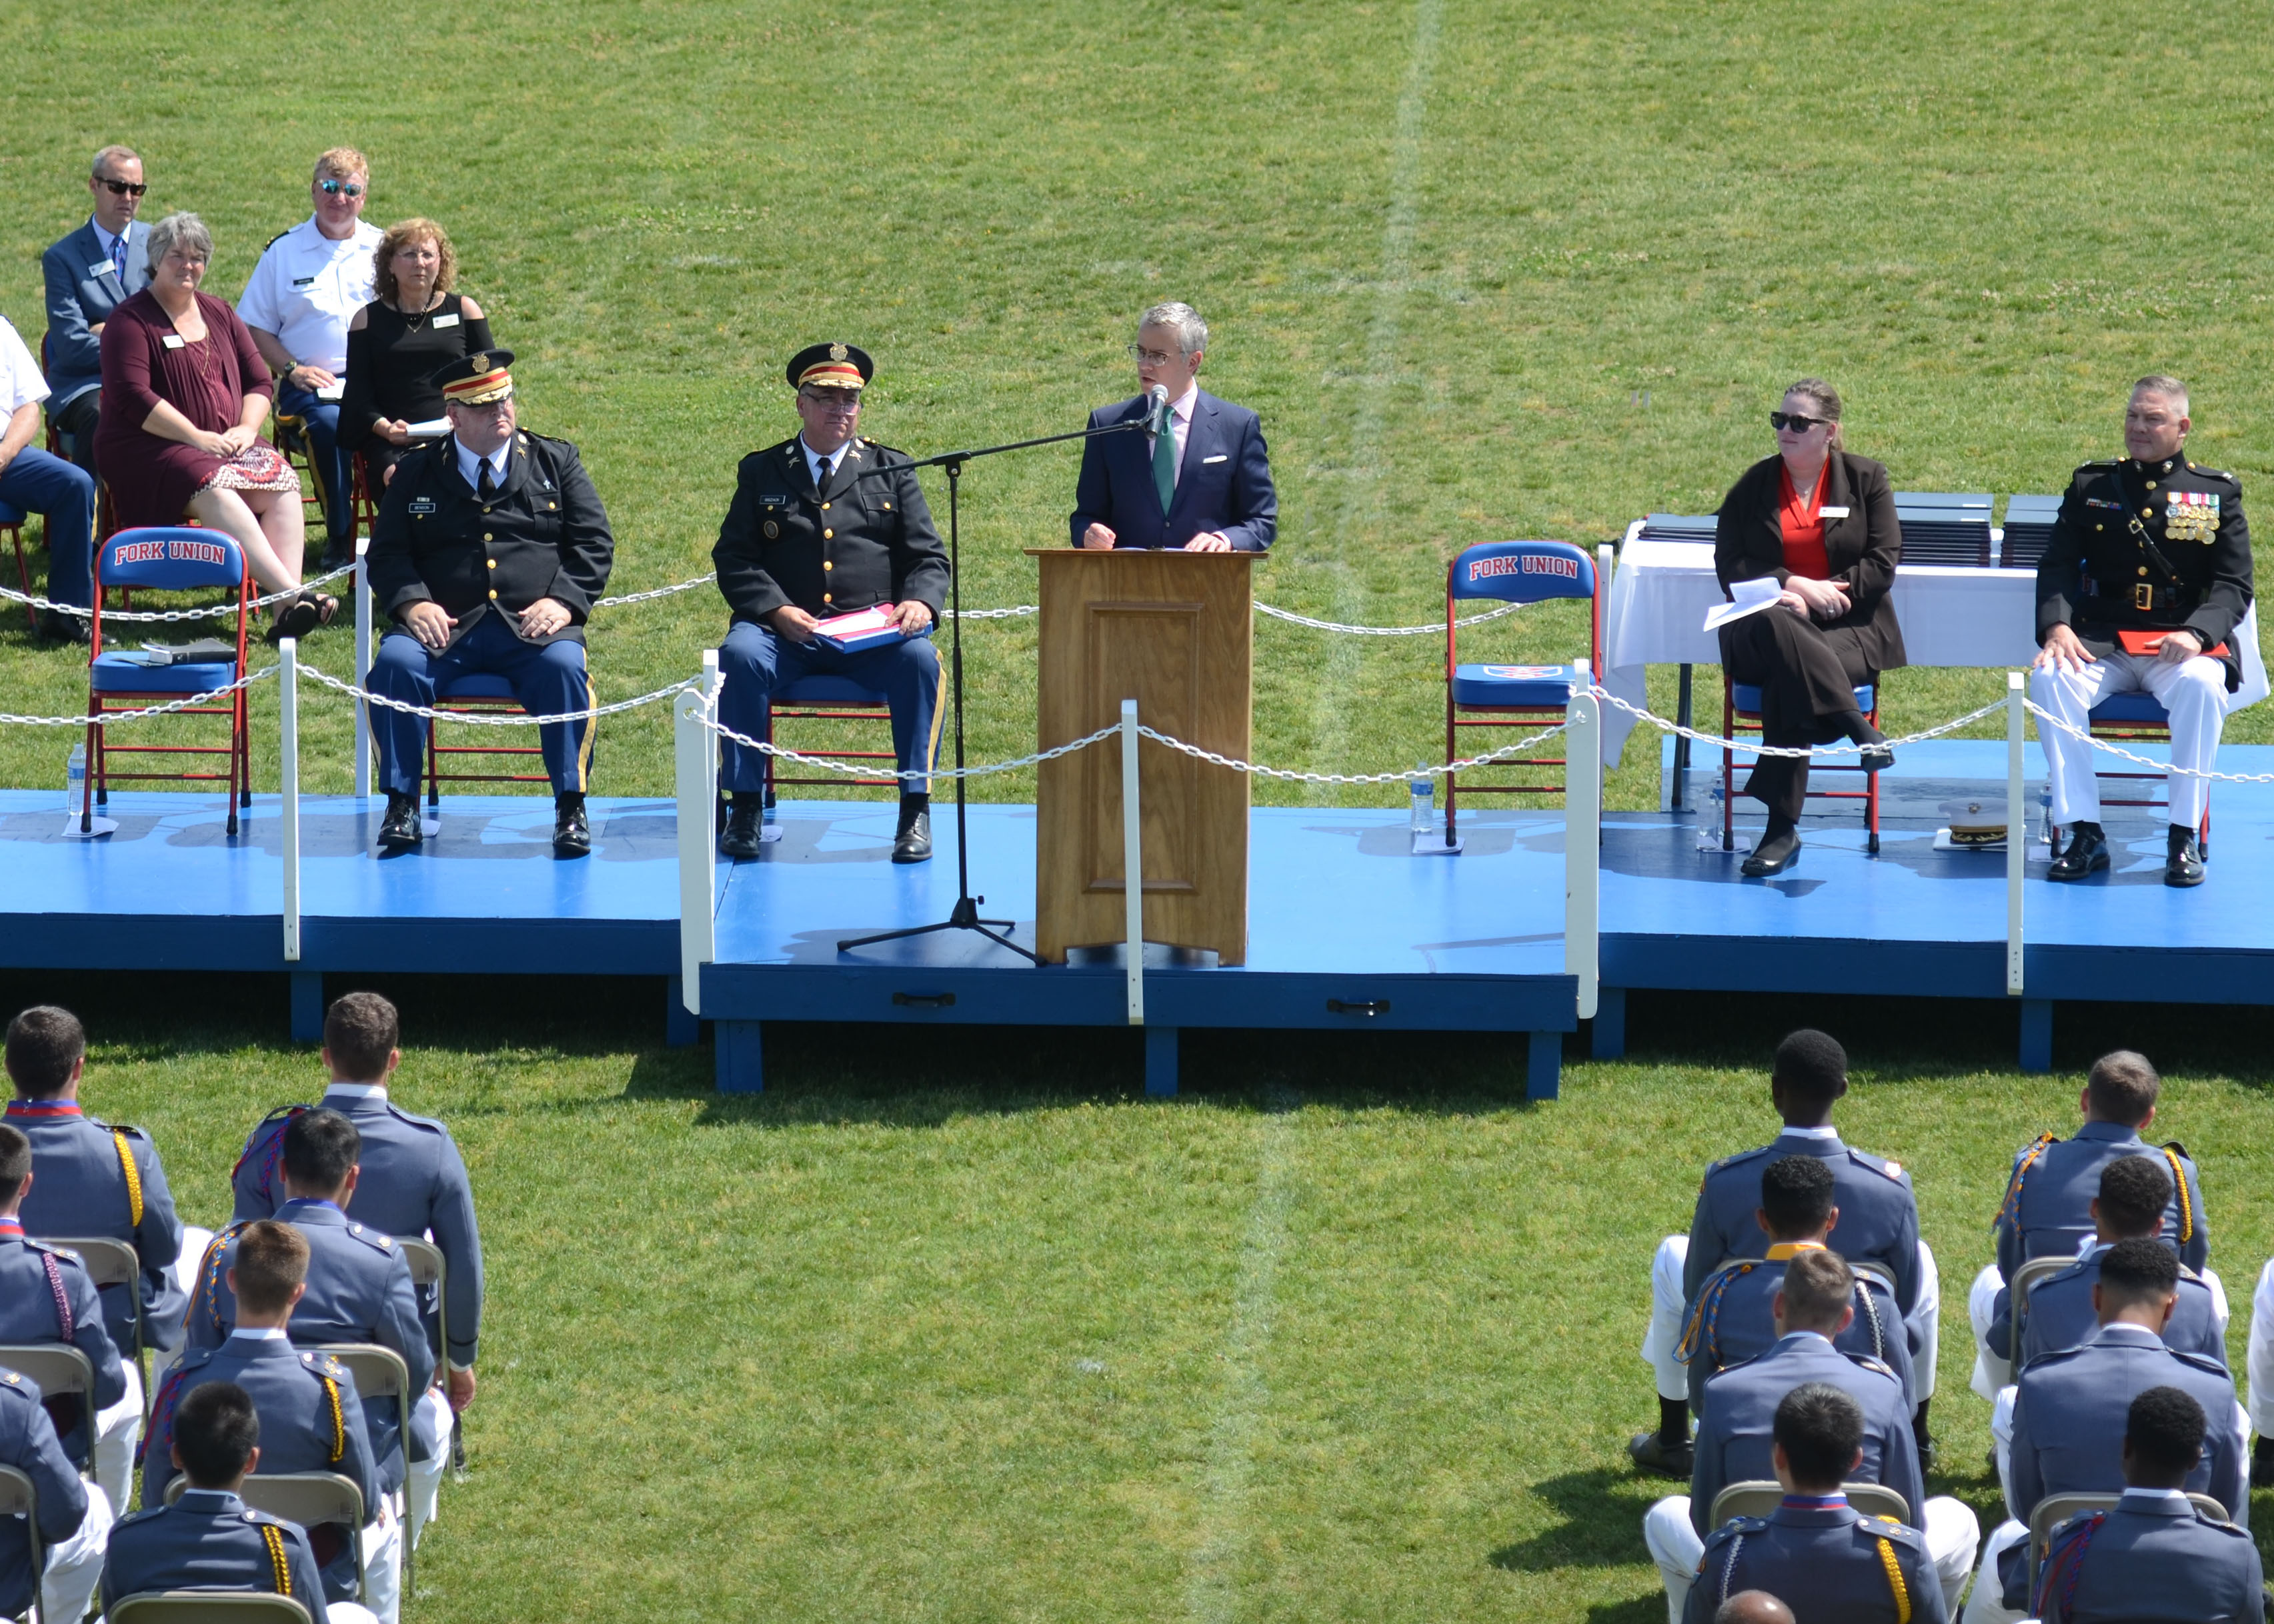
column 489, row 720
column 661, row 591
column 1754, row 747
column 216, row 612
column 108, row 717
column 2047, row 718
column 1292, row 618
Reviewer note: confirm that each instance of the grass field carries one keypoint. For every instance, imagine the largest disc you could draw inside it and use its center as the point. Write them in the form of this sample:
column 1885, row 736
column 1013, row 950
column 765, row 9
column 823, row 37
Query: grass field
column 969, row 1332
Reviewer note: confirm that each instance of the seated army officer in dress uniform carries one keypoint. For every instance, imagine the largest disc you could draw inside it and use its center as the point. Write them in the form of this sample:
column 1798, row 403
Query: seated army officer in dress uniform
column 489, row 551
column 808, row 537
column 2146, row 577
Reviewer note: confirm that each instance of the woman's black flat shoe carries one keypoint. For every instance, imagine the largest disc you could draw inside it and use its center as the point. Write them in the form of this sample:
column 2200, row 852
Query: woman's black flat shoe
column 1773, row 856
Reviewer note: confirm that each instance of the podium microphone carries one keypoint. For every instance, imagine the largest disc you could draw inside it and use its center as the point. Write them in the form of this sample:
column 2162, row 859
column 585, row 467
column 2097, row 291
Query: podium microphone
column 1156, row 409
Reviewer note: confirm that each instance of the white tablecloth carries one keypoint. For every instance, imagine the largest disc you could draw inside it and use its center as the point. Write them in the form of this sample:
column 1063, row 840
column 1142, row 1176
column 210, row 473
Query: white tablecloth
column 1951, row 615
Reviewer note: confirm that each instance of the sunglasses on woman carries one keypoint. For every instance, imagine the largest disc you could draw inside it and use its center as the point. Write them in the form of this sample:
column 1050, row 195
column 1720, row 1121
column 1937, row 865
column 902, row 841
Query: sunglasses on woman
column 1794, row 421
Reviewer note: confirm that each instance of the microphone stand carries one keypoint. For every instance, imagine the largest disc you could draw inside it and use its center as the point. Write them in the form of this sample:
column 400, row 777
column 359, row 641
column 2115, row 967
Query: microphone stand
column 965, row 915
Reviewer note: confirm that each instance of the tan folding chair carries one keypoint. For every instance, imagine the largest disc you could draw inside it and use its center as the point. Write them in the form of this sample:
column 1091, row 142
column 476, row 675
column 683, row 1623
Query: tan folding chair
column 309, row 1499
column 1760, row 1496
column 113, row 1263
column 207, row 1607
column 2055, row 1509
column 428, row 1267
column 2026, row 1279
column 19, row 1499
column 381, row 1373
column 59, row 1370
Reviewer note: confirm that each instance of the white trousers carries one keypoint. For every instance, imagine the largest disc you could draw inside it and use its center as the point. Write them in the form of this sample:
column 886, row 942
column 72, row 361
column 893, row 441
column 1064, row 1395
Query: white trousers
column 1664, row 1334
column 195, row 1242
column 1952, row 1536
column 382, row 1564
column 1992, row 1373
column 2193, row 691
column 430, row 1421
column 117, row 1430
column 1987, row 1605
column 2258, row 1361
column 75, row 1566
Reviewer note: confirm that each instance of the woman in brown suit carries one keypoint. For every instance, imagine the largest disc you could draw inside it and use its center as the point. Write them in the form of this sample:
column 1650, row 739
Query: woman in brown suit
column 1821, row 521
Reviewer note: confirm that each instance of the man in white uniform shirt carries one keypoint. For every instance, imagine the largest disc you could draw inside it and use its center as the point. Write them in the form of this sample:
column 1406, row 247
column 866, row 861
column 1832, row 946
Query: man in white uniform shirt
column 309, row 284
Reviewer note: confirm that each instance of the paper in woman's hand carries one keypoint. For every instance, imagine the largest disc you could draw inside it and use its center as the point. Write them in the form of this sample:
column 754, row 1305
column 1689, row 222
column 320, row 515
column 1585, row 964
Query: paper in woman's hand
column 1751, row 597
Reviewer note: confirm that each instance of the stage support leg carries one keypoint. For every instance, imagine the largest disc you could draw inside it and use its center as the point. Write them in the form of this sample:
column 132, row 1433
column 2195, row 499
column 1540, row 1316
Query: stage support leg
column 736, row 1043
column 1610, row 1033
column 1544, row 1076
column 1160, row 1063
column 307, row 1006
column 682, row 1028
column 2037, row 1034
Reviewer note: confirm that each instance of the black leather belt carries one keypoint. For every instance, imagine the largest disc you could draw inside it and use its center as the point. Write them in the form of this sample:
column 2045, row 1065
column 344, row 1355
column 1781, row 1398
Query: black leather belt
column 2141, row 596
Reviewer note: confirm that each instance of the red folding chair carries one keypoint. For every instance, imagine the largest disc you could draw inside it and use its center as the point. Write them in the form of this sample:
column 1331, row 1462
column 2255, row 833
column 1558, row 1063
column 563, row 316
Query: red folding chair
column 1519, row 696
column 1741, row 708
column 826, row 698
column 476, row 694
column 11, row 519
column 365, row 498
column 166, row 558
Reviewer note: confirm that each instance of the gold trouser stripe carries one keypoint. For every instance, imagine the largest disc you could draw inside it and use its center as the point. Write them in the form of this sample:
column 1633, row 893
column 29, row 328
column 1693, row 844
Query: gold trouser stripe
column 591, row 724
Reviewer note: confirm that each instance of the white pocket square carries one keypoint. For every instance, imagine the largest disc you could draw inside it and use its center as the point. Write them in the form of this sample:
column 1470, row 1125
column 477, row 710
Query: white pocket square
column 1219, row 457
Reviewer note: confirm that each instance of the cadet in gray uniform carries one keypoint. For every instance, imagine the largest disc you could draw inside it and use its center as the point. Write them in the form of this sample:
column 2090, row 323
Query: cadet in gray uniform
column 1878, row 1223
column 46, row 1297
column 1829, row 1564
column 2047, row 1211
column 2155, row 1555
column 1731, row 1321
column 2069, row 1417
column 73, row 1524
column 1812, row 1308
column 210, row 1539
column 411, row 1183
column 2134, row 1191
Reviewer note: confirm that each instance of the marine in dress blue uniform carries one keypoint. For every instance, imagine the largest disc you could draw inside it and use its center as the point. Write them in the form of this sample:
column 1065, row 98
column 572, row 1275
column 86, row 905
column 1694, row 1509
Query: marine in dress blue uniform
column 810, row 535
column 72, row 1522
column 516, row 559
column 1825, row 1560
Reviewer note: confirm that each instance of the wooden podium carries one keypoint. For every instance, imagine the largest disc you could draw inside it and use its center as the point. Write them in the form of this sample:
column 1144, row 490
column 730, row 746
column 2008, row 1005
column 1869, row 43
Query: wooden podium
column 1174, row 631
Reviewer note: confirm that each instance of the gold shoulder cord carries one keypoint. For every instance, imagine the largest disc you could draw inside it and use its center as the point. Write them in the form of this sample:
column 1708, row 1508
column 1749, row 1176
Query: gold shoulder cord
column 133, row 1175
column 273, row 1537
column 2186, row 1207
column 339, row 1421
column 1902, row 1593
column 2012, row 1201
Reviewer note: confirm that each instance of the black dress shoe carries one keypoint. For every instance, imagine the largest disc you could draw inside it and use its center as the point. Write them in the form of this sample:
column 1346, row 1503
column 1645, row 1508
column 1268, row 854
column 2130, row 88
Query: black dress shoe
column 56, row 627
column 912, row 841
column 1876, row 758
column 399, row 830
column 1661, row 1459
column 2087, row 854
column 1774, row 855
column 337, row 555
column 745, row 826
column 2182, row 862
column 572, row 834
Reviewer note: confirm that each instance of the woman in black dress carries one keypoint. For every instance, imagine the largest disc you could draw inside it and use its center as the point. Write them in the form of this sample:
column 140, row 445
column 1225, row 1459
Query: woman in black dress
column 397, row 341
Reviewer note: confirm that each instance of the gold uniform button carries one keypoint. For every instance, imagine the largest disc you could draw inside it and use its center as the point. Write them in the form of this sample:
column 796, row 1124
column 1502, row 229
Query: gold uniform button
column 829, row 535
column 2147, row 513
column 825, row 507
column 2144, row 569
column 487, row 537
column 549, row 506
column 2100, row 527
column 493, row 563
column 2151, row 484
column 826, row 564
column 493, row 593
column 825, row 598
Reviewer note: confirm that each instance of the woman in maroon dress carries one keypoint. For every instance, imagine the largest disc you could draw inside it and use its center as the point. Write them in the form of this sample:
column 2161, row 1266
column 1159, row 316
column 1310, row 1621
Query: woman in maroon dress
column 185, row 395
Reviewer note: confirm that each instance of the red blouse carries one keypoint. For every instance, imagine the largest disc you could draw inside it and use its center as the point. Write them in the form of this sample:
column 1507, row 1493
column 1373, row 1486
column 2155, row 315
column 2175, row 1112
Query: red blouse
column 1803, row 526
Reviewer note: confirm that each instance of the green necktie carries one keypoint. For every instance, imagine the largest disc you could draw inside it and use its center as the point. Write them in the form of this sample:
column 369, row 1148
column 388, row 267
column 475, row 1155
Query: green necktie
column 1165, row 465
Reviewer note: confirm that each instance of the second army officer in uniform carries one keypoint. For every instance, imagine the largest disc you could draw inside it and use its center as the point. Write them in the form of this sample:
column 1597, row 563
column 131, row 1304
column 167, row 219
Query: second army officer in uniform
column 489, row 552
column 2141, row 587
column 815, row 531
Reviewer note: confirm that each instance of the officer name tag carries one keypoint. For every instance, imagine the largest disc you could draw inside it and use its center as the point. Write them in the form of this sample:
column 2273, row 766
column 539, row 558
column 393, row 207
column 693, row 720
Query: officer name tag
column 302, row 282
column 445, row 321
column 172, row 340
column 422, row 504
column 774, row 500
column 1834, row 513
column 101, row 267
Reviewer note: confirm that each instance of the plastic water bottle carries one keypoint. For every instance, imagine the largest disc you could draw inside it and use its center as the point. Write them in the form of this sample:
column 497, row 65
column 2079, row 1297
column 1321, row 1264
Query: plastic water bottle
column 75, row 772
column 1421, row 798
column 2045, row 815
column 1709, row 819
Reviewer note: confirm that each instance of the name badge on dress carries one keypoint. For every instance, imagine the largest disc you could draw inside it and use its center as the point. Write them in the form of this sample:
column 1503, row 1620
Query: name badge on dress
column 101, row 267
column 440, row 322
column 172, row 340
column 1833, row 512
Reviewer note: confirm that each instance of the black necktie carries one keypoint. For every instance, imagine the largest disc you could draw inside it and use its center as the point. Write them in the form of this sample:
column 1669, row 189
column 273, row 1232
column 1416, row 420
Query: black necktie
column 489, row 481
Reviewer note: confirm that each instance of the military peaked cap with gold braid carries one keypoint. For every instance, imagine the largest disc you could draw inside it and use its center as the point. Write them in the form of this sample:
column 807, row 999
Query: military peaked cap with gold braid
column 830, row 367
column 476, row 380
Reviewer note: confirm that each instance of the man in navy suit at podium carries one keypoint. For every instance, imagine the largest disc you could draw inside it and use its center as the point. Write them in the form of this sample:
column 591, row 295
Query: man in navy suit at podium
column 1205, row 485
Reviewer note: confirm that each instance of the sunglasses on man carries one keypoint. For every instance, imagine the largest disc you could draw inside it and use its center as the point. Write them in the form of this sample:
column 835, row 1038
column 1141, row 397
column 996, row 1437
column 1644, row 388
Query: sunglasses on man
column 124, row 188
column 1794, row 421
column 336, row 188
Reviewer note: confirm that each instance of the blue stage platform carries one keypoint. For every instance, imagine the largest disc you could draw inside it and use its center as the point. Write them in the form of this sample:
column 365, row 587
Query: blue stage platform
column 1347, row 930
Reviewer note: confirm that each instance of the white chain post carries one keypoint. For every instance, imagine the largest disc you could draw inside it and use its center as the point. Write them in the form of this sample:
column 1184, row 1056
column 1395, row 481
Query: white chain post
column 287, row 772
column 362, row 588
column 695, row 756
column 1133, row 864
column 1583, row 835
column 2016, row 831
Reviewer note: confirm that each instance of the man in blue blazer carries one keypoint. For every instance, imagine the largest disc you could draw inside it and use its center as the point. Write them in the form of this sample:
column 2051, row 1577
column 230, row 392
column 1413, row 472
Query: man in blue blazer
column 90, row 273
column 1204, row 487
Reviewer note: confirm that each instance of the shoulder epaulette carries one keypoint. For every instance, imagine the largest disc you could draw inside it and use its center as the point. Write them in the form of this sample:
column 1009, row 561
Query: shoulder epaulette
column 1742, row 1156
column 372, row 1238
column 143, row 1515
column 1890, row 1169
column 2214, row 473
column 1887, row 1528
column 127, row 1127
column 2100, row 462
column 2058, row 1355
column 1734, row 1529
column 416, row 1120
column 2201, row 1361
column 2024, row 1159
column 63, row 1253
column 1865, row 1361
column 279, row 237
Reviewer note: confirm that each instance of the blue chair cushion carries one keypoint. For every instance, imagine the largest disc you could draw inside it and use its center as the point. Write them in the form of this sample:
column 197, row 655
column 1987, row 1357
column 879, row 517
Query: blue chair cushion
column 1514, row 687
column 475, row 685
column 10, row 514
column 2142, row 710
column 1747, row 698
column 828, row 688
column 112, row 673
